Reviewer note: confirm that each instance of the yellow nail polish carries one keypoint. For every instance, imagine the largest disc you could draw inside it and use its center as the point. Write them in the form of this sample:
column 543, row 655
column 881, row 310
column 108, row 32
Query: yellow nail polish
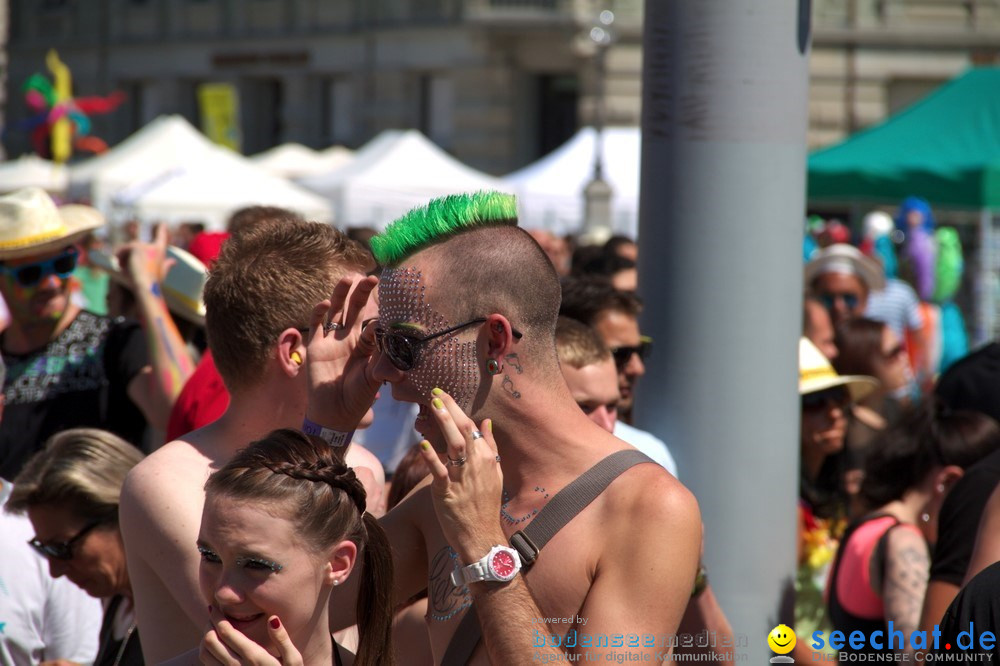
column 425, row 445
column 437, row 403
column 436, row 391
column 489, row 425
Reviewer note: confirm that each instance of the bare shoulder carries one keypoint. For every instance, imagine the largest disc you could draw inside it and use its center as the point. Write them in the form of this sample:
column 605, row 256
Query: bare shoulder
column 907, row 542
column 648, row 492
column 175, row 465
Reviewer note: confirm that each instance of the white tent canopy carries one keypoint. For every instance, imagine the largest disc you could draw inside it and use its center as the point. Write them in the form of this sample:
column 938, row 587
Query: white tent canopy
column 213, row 188
column 169, row 171
column 293, row 160
column 396, row 171
column 166, row 143
column 550, row 191
column 32, row 171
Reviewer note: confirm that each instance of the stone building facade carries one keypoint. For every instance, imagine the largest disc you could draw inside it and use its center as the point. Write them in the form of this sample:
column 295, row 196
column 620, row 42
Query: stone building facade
column 497, row 83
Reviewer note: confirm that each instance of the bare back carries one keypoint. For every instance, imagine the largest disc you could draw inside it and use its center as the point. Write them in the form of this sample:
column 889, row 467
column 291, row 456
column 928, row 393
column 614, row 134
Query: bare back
column 161, row 506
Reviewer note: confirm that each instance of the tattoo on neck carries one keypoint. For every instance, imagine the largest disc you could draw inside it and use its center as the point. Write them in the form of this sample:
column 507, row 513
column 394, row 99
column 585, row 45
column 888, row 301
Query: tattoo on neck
column 508, row 385
column 444, row 599
column 514, row 362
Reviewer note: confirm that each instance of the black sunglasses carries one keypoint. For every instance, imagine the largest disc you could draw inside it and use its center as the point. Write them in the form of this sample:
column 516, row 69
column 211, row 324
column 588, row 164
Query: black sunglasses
column 403, row 350
column 820, row 399
column 829, row 299
column 63, row 550
column 28, row 275
column 624, row 354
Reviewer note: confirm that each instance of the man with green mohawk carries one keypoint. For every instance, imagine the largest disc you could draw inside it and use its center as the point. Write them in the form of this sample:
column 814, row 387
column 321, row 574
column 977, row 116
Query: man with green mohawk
column 468, row 304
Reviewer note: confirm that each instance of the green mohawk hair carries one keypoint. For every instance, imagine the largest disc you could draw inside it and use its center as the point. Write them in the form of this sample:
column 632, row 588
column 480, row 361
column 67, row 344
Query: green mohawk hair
column 442, row 218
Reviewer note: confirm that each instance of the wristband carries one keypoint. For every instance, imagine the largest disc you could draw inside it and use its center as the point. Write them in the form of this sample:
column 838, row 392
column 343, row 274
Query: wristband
column 332, row 437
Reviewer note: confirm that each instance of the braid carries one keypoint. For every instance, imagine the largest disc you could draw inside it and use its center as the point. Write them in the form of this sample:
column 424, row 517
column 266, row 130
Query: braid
column 335, row 474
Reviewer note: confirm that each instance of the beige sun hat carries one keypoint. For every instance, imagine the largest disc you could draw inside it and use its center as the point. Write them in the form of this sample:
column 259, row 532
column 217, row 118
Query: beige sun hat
column 817, row 374
column 847, row 259
column 32, row 224
column 183, row 287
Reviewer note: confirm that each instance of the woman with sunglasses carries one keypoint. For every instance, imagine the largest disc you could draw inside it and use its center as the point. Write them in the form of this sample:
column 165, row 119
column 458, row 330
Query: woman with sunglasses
column 881, row 571
column 70, row 492
column 825, row 399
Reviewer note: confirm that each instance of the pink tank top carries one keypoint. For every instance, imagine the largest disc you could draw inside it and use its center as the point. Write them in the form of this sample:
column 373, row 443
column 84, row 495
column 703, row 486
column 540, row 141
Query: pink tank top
column 854, row 582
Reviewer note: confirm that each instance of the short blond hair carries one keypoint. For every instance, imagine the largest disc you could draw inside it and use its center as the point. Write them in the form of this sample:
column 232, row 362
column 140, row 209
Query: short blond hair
column 82, row 469
column 579, row 345
column 268, row 278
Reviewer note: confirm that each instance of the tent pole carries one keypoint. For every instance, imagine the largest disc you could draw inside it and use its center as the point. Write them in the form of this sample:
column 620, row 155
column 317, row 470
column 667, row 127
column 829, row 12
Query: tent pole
column 986, row 283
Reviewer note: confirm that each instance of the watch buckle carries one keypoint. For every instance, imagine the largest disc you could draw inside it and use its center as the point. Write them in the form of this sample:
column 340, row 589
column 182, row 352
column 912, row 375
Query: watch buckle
column 525, row 548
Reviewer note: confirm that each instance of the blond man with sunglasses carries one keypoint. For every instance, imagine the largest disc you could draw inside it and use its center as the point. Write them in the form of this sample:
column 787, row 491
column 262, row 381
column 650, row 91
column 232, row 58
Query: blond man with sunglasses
column 66, row 367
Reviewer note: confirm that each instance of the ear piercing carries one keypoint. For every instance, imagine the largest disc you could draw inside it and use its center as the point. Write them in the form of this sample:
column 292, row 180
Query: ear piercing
column 493, row 366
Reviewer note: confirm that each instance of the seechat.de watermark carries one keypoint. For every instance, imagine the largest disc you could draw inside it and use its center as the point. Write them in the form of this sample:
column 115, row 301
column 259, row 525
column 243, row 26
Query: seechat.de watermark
column 890, row 644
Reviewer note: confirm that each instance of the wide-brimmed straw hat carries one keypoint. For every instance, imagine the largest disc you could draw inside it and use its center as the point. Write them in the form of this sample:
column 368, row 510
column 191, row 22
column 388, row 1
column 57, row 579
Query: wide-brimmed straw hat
column 817, row 374
column 31, row 224
column 847, row 259
column 183, row 287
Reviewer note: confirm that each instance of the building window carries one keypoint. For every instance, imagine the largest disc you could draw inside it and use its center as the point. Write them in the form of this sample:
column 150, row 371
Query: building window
column 437, row 102
column 338, row 112
column 557, row 113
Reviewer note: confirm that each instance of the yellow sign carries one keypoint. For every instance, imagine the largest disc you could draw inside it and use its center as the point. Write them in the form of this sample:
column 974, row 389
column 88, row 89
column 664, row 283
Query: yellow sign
column 220, row 113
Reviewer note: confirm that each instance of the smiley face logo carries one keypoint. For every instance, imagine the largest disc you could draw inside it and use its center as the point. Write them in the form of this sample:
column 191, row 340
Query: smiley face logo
column 781, row 639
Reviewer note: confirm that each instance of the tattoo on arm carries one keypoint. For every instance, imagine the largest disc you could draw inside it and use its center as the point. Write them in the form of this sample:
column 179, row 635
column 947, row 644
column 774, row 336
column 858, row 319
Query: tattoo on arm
column 907, row 571
column 444, row 599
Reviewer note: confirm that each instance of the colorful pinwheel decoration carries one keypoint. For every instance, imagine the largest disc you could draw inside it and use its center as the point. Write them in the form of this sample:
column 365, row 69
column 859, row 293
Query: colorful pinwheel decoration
column 60, row 123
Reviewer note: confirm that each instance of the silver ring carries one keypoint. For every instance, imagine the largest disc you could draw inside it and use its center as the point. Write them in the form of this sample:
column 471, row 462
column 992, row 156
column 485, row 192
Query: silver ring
column 456, row 463
column 331, row 326
column 476, row 435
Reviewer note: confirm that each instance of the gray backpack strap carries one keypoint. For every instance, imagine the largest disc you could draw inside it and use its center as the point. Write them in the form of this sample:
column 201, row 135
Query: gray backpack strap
column 561, row 509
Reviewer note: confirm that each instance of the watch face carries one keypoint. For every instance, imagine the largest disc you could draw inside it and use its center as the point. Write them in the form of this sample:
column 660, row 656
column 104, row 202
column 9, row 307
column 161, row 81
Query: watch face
column 503, row 565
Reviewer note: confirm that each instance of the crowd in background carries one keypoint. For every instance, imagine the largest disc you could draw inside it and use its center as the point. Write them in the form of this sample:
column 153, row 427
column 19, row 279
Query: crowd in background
column 899, row 450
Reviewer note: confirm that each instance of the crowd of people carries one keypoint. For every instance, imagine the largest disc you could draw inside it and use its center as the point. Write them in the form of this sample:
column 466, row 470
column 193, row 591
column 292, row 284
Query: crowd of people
column 899, row 442
column 180, row 441
column 284, row 443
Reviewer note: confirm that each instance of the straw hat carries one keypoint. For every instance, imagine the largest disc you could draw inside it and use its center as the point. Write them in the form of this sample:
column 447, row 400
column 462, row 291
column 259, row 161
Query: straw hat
column 183, row 287
column 31, row 224
column 816, row 374
column 847, row 259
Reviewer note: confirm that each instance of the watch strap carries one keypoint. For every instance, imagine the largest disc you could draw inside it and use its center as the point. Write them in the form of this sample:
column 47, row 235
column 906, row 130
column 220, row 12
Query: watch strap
column 469, row 573
column 335, row 438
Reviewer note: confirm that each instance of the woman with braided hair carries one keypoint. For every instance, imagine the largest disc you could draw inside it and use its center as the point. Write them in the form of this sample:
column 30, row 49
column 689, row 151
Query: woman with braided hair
column 284, row 524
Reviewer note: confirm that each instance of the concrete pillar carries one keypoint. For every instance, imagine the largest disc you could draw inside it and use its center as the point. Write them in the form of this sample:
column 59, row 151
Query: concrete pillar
column 722, row 200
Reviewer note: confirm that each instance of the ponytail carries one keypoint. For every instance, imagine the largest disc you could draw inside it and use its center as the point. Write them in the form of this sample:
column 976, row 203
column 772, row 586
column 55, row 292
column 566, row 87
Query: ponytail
column 375, row 608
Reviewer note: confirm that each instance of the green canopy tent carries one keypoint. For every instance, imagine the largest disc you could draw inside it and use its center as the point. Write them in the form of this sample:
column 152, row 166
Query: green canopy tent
column 945, row 148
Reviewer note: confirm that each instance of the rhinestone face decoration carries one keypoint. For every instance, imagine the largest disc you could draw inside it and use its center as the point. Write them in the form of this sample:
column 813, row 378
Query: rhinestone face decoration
column 444, row 362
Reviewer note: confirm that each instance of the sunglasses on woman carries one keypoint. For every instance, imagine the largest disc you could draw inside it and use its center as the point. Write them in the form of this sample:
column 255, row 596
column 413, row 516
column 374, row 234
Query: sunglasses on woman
column 28, row 275
column 821, row 399
column 63, row 550
column 402, row 350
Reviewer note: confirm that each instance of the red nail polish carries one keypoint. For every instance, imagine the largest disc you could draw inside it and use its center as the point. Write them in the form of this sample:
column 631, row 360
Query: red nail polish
column 275, row 623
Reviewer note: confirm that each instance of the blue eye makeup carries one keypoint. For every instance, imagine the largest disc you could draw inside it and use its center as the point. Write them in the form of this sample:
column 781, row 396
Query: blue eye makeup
column 258, row 564
column 252, row 563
